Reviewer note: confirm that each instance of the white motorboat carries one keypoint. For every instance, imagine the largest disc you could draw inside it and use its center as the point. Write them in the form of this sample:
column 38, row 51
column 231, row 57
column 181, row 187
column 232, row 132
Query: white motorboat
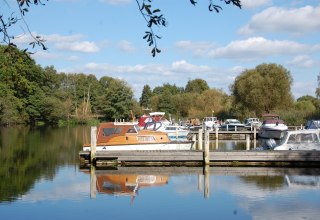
column 210, row 123
column 232, row 125
column 251, row 123
column 313, row 124
column 299, row 140
column 272, row 127
column 175, row 132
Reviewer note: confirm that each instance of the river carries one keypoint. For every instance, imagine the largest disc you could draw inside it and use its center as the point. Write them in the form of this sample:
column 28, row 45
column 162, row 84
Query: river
column 40, row 178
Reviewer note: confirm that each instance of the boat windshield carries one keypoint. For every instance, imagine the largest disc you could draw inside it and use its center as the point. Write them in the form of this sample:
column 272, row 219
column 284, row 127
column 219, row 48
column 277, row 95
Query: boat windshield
column 300, row 138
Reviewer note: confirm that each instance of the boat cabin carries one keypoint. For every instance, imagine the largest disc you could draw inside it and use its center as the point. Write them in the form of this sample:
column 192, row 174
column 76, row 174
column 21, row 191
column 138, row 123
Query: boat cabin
column 119, row 133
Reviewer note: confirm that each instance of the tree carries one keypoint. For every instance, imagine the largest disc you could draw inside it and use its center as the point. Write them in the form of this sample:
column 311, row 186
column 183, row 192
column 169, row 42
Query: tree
column 196, row 86
column 263, row 89
column 145, row 96
column 116, row 99
column 168, row 89
column 153, row 18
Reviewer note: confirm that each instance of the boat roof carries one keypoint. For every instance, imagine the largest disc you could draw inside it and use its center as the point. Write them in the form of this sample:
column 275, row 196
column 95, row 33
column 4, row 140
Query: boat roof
column 156, row 113
column 304, row 131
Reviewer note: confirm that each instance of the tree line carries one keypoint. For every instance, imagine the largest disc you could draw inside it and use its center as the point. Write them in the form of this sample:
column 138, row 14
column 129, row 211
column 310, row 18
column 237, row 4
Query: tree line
column 31, row 94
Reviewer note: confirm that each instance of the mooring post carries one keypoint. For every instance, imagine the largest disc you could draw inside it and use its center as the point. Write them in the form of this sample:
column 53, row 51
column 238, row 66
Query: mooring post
column 93, row 182
column 217, row 134
column 194, row 139
column 200, row 139
column 206, row 148
column 93, row 144
column 248, row 141
column 206, row 173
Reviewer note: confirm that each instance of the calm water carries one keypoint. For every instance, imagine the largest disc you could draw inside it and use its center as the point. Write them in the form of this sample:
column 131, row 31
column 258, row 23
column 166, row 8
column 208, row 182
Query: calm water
column 40, row 179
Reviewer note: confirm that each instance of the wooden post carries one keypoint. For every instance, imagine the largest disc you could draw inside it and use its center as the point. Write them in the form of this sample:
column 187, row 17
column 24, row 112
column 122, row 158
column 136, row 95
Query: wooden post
column 200, row 139
column 217, row 134
column 93, row 182
column 254, row 133
column 93, row 143
column 194, row 139
column 206, row 148
column 248, row 141
column 206, row 181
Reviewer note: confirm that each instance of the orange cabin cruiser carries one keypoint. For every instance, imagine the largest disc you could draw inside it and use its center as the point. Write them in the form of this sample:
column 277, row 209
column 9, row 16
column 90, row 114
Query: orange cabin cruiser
column 128, row 136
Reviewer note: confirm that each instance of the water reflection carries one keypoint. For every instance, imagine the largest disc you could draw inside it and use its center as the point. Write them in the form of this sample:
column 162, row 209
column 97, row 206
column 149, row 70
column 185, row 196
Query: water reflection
column 30, row 154
column 125, row 184
column 128, row 180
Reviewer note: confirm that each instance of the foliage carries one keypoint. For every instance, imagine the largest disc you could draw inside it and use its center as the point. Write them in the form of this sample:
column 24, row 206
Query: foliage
column 264, row 89
column 196, row 86
column 145, row 96
column 31, row 94
column 154, row 18
column 13, row 18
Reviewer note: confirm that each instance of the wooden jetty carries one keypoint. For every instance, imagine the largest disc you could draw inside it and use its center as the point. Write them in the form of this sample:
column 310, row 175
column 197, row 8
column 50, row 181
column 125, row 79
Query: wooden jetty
column 197, row 157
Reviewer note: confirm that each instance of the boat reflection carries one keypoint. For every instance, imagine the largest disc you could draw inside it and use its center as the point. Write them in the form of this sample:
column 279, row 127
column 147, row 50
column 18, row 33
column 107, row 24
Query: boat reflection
column 305, row 182
column 127, row 184
column 123, row 184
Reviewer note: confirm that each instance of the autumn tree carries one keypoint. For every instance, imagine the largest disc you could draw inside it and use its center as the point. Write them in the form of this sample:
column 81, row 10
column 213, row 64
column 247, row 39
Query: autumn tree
column 263, row 89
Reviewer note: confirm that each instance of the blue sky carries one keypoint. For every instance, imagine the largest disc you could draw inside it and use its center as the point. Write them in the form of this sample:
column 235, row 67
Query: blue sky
column 104, row 38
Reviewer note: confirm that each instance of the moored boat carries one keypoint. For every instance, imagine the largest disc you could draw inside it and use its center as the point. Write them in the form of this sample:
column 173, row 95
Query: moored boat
column 300, row 140
column 128, row 136
column 272, row 127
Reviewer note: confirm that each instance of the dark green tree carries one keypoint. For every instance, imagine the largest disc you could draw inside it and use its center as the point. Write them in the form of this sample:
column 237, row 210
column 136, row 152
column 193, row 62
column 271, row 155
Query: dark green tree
column 168, row 89
column 197, row 86
column 116, row 99
column 145, row 96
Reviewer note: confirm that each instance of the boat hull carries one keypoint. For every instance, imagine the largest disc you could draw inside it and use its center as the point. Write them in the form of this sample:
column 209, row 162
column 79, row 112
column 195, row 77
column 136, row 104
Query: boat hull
column 271, row 133
column 187, row 145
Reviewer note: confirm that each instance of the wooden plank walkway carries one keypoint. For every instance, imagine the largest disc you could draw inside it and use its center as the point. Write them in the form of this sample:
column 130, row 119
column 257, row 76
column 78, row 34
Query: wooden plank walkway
column 196, row 158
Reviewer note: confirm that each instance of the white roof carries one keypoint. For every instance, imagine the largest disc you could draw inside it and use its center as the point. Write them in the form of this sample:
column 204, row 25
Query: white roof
column 157, row 113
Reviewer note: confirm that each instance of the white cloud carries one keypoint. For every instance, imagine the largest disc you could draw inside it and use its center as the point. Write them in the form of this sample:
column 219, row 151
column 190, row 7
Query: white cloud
column 126, row 46
column 257, row 47
column 277, row 19
column 302, row 61
column 198, row 48
column 117, row 2
column 78, row 46
column 254, row 3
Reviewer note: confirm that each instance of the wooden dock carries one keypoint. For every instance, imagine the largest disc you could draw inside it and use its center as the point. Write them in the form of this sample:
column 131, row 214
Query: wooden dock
column 198, row 158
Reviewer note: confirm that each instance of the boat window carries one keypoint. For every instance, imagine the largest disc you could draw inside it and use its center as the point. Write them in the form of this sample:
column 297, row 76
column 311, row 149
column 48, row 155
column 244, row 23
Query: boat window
column 145, row 138
column 111, row 131
column 292, row 139
column 131, row 130
column 308, row 138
